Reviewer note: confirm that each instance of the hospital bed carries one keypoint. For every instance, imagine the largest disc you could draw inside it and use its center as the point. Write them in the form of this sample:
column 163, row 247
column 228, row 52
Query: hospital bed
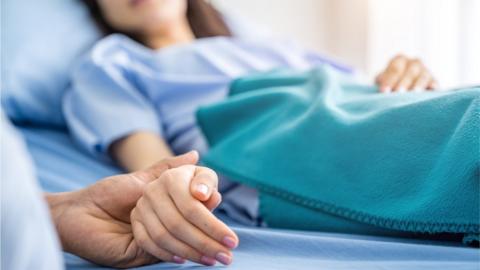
column 61, row 166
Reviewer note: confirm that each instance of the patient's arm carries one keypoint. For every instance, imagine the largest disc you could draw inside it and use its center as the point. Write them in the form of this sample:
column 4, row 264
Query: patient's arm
column 139, row 150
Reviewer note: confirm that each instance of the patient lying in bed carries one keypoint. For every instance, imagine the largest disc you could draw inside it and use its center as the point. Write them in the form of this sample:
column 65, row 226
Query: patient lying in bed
column 134, row 97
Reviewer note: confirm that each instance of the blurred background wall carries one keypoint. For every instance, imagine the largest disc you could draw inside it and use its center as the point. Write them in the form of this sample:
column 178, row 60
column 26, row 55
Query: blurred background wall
column 445, row 34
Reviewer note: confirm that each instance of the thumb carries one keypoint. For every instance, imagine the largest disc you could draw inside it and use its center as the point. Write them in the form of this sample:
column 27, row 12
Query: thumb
column 214, row 201
column 203, row 184
column 155, row 171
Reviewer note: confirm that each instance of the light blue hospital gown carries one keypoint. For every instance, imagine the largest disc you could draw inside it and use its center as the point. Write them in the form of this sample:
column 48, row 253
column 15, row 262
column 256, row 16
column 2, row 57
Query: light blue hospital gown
column 121, row 87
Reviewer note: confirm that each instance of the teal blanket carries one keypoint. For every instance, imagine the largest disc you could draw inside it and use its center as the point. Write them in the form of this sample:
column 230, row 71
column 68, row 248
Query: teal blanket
column 331, row 155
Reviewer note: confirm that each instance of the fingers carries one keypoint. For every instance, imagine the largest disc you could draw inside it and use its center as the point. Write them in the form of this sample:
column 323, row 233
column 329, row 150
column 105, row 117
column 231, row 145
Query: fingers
column 392, row 75
column 170, row 229
column 204, row 187
column 204, row 183
column 422, row 82
column 180, row 224
column 432, row 85
column 197, row 214
column 410, row 75
column 214, row 201
column 186, row 240
column 404, row 74
column 154, row 172
column 145, row 242
column 159, row 233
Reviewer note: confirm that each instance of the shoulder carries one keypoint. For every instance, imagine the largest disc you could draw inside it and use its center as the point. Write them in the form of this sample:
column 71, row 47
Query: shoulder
column 115, row 49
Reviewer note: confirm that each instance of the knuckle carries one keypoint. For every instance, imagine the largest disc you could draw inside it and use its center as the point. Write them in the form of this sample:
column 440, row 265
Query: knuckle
column 140, row 205
column 167, row 175
column 141, row 241
column 175, row 174
column 190, row 254
column 191, row 212
column 133, row 213
column 214, row 176
column 171, row 178
column 416, row 65
column 159, row 237
column 398, row 63
column 204, row 246
column 209, row 175
column 167, row 163
column 164, row 256
column 175, row 227
column 413, row 71
column 209, row 171
column 148, row 193
column 399, row 58
column 395, row 68
column 136, row 215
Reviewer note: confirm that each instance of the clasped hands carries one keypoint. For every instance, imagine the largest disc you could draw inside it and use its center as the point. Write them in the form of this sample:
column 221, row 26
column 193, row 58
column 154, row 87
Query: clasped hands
column 159, row 214
column 164, row 213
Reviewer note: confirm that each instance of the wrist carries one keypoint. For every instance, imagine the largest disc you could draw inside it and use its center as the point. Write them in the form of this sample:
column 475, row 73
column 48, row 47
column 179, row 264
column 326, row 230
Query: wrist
column 59, row 204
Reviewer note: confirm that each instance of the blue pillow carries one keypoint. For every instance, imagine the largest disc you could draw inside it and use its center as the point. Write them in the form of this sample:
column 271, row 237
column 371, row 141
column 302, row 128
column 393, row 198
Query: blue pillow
column 41, row 40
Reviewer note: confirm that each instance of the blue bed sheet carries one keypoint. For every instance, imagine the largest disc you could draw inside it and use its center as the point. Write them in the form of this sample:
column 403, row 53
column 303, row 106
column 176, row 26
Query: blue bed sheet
column 61, row 166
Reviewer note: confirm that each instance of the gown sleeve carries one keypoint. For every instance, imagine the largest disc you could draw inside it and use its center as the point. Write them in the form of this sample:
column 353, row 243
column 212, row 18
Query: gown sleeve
column 106, row 101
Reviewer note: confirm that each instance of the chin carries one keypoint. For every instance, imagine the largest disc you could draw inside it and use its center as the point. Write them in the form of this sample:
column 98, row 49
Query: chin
column 158, row 19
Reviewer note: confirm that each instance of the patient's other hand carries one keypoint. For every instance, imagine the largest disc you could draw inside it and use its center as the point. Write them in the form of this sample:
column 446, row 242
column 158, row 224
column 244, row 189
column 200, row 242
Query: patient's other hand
column 405, row 74
column 94, row 223
column 171, row 224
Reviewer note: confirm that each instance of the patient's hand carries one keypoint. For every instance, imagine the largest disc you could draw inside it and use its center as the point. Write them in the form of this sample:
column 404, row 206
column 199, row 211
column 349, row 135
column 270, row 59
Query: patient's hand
column 94, row 223
column 405, row 74
column 171, row 224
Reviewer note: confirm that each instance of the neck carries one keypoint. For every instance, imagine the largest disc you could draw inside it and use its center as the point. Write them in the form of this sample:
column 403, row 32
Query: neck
column 170, row 34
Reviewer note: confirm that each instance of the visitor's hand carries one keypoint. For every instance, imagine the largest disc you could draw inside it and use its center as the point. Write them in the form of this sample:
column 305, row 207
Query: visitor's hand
column 94, row 223
column 405, row 74
column 171, row 224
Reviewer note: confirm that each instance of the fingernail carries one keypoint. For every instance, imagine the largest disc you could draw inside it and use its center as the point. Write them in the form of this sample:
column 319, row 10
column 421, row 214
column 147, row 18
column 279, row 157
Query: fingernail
column 229, row 242
column 387, row 90
column 207, row 260
column 418, row 89
column 402, row 90
column 178, row 260
column 202, row 188
column 223, row 258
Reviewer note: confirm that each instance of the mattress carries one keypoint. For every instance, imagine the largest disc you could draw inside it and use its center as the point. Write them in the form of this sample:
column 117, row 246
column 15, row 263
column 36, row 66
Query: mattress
column 61, row 166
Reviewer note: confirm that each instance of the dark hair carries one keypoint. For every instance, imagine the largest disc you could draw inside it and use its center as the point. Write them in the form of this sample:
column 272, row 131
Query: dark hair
column 203, row 18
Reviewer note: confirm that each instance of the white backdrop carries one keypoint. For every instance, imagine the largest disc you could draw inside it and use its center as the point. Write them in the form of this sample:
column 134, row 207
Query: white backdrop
column 367, row 33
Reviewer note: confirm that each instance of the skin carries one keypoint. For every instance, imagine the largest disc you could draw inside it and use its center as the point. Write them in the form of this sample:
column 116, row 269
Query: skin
column 140, row 151
column 116, row 222
column 405, row 74
column 180, row 225
column 156, row 23
column 168, row 222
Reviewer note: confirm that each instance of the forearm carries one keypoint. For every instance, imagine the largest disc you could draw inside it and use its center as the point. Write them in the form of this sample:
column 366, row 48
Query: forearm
column 139, row 151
